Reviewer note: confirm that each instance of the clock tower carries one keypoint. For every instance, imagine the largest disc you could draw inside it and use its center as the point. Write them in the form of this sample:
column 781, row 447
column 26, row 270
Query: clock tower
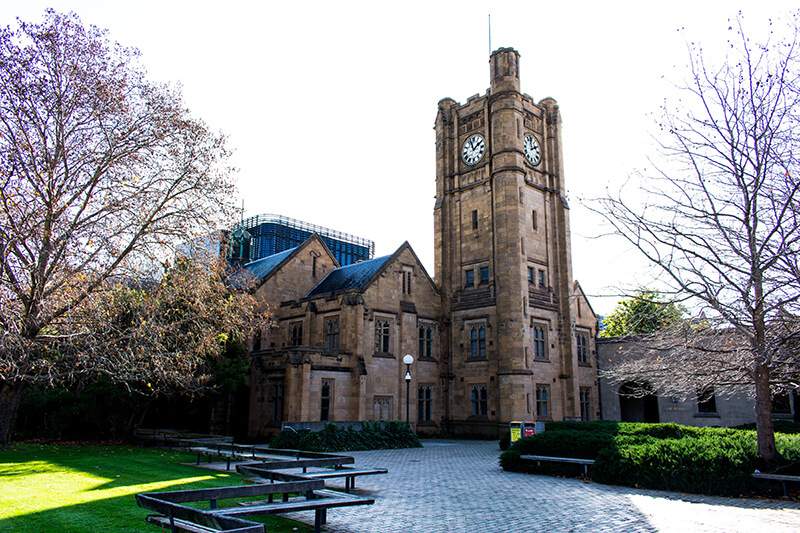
column 512, row 346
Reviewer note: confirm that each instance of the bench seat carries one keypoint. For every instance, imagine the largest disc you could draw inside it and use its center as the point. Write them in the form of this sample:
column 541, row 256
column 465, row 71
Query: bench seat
column 316, row 498
column 783, row 478
column 259, row 475
column 574, row 460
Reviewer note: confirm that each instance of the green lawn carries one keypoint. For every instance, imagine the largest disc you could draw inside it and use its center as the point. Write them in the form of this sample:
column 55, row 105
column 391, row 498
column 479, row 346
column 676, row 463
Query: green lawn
column 64, row 489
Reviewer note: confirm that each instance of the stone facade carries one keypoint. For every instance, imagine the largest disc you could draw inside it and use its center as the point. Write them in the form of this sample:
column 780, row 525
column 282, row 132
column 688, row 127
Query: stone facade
column 336, row 351
column 503, row 260
column 504, row 334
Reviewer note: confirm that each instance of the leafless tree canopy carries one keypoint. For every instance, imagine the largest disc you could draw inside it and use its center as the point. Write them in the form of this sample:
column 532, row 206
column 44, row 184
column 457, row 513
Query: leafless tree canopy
column 720, row 215
column 687, row 357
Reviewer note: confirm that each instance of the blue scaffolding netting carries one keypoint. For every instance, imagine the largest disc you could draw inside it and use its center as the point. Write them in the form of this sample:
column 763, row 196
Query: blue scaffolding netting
column 272, row 234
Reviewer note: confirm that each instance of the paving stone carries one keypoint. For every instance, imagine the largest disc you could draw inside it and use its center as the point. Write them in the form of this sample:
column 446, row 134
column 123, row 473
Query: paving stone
column 459, row 486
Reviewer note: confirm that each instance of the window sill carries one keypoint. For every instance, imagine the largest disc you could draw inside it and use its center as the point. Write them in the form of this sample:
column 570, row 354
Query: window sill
column 706, row 415
column 427, row 359
column 541, row 360
column 476, row 359
column 587, row 365
column 383, row 355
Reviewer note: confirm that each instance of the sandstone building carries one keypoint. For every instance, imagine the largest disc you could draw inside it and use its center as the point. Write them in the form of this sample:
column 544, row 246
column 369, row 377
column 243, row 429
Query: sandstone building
column 500, row 333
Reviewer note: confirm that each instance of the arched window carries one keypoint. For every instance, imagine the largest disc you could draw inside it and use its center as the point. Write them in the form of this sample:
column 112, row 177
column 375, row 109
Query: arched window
column 539, row 346
column 477, row 337
column 479, row 400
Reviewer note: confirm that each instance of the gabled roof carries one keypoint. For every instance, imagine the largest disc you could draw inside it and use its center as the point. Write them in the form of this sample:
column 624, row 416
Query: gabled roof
column 261, row 268
column 356, row 276
column 359, row 275
column 576, row 288
column 254, row 273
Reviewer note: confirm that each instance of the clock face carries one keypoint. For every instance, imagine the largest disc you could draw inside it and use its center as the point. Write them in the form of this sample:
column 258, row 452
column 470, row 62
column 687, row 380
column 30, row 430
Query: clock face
column 532, row 152
column 473, row 149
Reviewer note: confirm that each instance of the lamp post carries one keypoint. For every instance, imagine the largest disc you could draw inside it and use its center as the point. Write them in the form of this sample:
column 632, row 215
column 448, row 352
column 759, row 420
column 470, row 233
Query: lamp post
column 408, row 359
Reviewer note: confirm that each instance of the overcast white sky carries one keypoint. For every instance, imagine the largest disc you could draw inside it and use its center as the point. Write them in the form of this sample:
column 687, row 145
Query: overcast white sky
column 330, row 106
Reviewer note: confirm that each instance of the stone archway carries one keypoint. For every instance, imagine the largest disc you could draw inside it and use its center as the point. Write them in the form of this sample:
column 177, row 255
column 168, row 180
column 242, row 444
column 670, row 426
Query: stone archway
column 638, row 402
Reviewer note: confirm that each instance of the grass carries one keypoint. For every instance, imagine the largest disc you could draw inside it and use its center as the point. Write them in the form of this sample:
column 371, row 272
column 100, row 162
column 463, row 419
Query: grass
column 65, row 489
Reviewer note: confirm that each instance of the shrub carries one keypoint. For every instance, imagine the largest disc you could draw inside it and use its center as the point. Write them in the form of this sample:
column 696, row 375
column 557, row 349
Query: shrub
column 781, row 426
column 579, row 443
column 288, row 440
column 332, row 438
column 656, row 456
column 706, row 463
column 505, row 440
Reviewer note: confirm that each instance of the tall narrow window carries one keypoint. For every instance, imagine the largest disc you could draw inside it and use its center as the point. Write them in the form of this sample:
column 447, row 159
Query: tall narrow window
column 582, row 341
column 297, row 334
column 542, row 407
column 277, row 402
column 533, row 219
column 314, row 266
column 257, row 340
column 479, row 400
column 469, row 278
column 406, row 281
column 425, row 403
column 484, row 271
column 531, row 275
column 425, row 341
column 382, row 336
column 332, row 333
column 475, row 219
column 542, row 284
column 586, row 403
column 477, row 337
column 539, row 346
column 326, row 393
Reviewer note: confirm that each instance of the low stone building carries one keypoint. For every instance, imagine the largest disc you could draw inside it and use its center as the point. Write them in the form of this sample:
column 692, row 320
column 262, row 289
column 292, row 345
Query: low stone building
column 335, row 353
column 707, row 408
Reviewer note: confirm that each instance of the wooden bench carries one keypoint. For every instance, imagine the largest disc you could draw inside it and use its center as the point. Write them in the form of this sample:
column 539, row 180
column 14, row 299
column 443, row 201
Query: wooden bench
column 540, row 458
column 276, row 458
column 177, row 517
column 778, row 477
column 267, row 473
column 172, row 437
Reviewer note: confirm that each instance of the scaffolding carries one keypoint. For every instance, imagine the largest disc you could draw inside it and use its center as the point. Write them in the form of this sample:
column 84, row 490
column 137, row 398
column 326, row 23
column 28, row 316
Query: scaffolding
column 272, row 234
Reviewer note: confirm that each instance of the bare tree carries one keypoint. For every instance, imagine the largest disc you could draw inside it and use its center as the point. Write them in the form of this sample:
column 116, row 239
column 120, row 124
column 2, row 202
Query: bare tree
column 101, row 172
column 720, row 220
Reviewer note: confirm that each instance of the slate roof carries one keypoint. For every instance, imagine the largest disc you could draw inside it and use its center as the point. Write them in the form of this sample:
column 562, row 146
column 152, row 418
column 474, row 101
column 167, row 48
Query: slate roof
column 353, row 276
column 263, row 267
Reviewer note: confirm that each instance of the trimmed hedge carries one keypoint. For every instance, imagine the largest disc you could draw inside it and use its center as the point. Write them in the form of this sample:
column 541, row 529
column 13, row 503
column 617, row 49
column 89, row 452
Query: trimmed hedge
column 656, row 456
column 372, row 436
column 781, row 426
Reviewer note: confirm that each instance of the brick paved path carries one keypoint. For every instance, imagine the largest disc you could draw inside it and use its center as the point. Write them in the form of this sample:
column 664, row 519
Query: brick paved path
column 458, row 486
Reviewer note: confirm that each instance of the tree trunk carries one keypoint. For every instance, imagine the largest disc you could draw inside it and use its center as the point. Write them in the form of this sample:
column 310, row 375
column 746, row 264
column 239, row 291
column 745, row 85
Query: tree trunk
column 765, row 432
column 10, row 395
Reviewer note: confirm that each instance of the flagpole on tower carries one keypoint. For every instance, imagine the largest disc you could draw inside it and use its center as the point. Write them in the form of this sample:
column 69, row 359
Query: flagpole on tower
column 490, row 34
